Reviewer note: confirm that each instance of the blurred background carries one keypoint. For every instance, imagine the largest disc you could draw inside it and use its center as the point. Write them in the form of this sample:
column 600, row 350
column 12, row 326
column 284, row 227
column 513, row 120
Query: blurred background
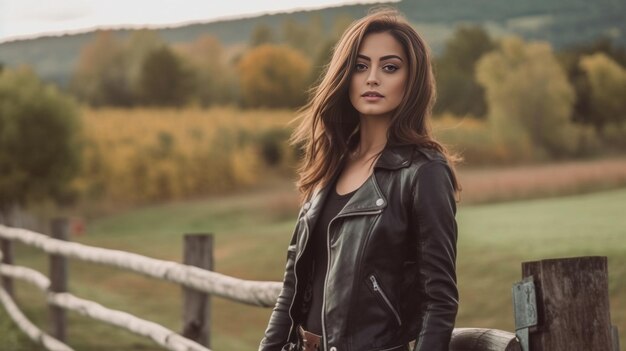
column 143, row 127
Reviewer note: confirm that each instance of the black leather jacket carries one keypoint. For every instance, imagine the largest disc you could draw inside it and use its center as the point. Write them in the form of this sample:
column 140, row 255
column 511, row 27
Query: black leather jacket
column 391, row 261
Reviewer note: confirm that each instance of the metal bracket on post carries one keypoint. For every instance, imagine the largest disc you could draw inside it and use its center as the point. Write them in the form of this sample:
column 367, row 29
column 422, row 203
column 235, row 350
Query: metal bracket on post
column 525, row 310
column 615, row 337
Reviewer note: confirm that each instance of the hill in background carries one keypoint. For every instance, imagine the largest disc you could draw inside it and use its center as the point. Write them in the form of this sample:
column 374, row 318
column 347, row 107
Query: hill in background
column 560, row 22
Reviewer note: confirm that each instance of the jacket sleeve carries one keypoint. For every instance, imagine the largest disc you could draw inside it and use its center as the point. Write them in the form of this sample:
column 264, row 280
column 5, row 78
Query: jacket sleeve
column 277, row 332
column 434, row 210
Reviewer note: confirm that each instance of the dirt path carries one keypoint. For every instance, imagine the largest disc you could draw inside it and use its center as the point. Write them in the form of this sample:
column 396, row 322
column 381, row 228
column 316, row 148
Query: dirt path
column 503, row 184
column 572, row 177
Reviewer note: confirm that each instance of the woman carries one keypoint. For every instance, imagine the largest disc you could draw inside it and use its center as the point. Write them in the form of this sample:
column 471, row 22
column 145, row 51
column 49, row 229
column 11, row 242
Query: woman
column 371, row 263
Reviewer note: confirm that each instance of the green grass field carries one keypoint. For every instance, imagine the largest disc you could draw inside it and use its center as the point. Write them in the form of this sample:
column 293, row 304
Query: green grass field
column 252, row 231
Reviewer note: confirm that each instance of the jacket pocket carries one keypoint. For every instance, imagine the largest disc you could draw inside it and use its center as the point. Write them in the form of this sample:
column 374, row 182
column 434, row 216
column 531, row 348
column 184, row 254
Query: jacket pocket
column 377, row 289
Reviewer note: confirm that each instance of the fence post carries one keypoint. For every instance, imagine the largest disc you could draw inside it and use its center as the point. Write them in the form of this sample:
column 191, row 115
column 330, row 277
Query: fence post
column 7, row 258
column 58, row 277
column 6, row 247
column 198, row 251
column 572, row 304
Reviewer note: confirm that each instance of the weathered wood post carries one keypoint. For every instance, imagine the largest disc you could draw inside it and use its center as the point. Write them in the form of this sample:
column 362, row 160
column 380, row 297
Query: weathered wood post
column 6, row 247
column 58, row 277
column 198, row 251
column 7, row 258
column 572, row 304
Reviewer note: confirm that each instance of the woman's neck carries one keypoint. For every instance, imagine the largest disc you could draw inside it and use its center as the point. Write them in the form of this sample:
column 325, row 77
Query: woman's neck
column 373, row 136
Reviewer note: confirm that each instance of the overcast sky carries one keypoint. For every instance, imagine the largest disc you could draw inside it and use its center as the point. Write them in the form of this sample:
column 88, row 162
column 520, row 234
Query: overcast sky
column 28, row 18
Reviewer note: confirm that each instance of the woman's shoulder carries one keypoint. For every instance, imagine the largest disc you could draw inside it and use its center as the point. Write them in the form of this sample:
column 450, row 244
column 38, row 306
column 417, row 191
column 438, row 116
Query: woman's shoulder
column 428, row 162
column 427, row 154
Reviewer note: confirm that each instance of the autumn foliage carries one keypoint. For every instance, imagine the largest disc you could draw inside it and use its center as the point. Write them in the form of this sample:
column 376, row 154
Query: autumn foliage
column 147, row 155
column 169, row 136
column 273, row 76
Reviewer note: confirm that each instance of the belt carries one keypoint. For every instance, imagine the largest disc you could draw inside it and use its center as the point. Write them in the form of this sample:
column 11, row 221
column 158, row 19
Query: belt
column 308, row 341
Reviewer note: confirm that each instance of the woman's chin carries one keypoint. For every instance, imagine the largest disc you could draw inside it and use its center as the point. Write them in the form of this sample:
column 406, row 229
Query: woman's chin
column 374, row 113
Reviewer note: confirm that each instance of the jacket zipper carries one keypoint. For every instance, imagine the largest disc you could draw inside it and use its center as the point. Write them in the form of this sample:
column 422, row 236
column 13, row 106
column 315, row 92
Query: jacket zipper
column 295, row 274
column 324, row 337
column 380, row 291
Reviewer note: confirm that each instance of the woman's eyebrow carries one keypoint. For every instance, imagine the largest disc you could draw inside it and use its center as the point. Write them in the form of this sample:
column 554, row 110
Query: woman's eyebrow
column 383, row 58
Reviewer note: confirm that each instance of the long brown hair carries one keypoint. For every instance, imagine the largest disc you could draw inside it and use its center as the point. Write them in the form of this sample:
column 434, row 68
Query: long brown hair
column 329, row 124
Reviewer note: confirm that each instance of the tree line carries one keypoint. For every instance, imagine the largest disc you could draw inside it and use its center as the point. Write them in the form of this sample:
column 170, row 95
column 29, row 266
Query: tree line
column 142, row 69
column 276, row 68
column 530, row 101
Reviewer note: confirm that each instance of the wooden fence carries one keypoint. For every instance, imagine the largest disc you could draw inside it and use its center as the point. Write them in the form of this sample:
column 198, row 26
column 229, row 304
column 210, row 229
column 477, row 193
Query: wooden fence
column 199, row 282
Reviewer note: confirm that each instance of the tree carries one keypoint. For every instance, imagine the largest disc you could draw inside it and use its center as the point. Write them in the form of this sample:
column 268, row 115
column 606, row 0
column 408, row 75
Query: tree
column 306, row 37
column 340, row 24
column 100, row 77
column 603, row 44
column 214, row 80
column 164, row 81
column 262, row 34
column 528, row 95
column 570, row 59
column 607, row 82
column 273, row 76
column 137, row 47
column 457, row 90
column 39, row 152
column 294, row 34
column 321, row 60
column 326, row 45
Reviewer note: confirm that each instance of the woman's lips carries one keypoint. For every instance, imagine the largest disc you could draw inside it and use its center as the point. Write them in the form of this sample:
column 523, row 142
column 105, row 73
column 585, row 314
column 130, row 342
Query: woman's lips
column 372, row 96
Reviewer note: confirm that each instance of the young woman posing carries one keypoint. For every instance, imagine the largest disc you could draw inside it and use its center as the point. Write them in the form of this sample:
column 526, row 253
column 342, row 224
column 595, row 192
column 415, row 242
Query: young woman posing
column 371, row 262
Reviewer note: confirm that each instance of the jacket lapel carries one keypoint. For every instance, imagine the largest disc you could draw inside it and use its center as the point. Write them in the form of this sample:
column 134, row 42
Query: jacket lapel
column 368, row 197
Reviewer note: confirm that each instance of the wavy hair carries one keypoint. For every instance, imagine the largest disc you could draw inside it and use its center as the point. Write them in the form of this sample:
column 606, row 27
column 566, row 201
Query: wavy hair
column 328, row 124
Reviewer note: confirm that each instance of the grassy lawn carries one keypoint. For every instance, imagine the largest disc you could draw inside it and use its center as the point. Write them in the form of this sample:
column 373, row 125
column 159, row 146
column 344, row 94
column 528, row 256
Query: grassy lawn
column 252, row 231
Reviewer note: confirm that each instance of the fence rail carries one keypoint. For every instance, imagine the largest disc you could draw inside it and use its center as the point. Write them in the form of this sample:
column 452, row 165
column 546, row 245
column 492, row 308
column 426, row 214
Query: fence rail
column 589, row 273
column 198, row 282
column 258, row 293
column 28, row 327
column 156, row 332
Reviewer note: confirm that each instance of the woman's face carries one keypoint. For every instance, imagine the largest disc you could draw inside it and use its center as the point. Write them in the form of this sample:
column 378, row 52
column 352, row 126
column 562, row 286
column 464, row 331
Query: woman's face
column 379, row 76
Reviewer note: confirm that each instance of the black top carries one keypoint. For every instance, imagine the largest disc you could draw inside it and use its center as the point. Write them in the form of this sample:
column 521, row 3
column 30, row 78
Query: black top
column 317, row 248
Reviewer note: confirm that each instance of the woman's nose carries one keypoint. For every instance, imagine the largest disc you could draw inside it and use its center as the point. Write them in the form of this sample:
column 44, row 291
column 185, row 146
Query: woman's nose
column 372, row 78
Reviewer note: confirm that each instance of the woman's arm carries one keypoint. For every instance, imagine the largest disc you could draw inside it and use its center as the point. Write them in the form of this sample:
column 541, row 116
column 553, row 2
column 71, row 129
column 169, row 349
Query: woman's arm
column 434, row 210
column 277, row 331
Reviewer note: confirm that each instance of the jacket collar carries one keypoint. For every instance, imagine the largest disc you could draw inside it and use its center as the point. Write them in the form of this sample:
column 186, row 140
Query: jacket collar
column 368, row 198
column 395, row 156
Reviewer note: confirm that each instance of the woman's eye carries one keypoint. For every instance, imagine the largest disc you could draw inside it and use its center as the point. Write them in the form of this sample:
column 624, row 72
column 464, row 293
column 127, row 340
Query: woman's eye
column 390, row 68
column 360, row 67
